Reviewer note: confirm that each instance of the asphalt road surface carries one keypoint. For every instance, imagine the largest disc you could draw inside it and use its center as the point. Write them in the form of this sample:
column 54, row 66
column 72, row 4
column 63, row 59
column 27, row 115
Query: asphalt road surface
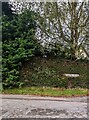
column 25, row 106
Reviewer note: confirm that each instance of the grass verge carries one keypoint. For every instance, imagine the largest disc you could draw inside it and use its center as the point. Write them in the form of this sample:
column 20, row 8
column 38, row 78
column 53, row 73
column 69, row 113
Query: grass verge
column 47, row 91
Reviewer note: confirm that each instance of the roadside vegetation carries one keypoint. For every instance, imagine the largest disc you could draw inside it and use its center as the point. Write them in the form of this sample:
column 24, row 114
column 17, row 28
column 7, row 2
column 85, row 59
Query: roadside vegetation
column 48, row 91
column 33, row 65
column 50, row 72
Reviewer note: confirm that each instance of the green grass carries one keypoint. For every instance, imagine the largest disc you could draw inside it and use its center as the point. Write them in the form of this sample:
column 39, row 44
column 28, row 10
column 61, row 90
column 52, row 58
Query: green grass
column 47, row 91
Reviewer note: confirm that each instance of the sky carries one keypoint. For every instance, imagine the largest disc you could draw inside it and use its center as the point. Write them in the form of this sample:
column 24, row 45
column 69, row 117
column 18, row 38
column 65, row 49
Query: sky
column 48, row 0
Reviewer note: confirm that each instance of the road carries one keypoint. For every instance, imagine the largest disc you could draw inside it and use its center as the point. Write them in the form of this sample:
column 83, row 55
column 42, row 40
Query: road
column 25, row 106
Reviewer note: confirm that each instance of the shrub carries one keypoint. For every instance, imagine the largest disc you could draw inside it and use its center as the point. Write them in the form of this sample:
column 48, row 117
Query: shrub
column 49, row 72
column 18, row 44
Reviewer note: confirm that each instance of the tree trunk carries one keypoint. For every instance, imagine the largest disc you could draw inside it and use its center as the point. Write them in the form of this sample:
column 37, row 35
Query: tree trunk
column 73, row 54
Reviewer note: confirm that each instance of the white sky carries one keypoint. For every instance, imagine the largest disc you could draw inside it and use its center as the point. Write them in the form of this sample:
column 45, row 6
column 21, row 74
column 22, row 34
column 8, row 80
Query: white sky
column 48, row 0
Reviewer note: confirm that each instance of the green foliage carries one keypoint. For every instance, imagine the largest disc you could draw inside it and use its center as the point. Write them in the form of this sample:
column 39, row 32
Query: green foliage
column 49, row 72
column 18, row 44
column 46, row 77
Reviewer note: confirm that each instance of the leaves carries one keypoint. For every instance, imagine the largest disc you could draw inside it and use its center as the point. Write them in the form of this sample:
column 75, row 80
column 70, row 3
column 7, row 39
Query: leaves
column 19, row 44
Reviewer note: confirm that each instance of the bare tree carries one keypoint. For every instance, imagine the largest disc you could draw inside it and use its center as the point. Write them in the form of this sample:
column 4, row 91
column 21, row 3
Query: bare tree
column 65, row 23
